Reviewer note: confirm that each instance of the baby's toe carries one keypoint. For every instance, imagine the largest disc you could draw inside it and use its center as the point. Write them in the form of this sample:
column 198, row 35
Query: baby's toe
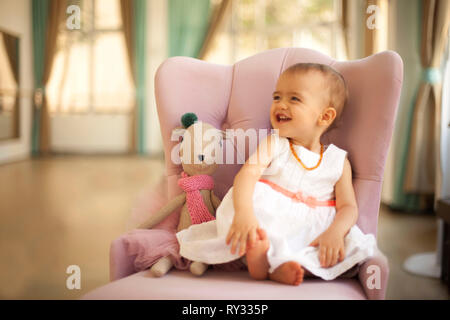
column 299, row 276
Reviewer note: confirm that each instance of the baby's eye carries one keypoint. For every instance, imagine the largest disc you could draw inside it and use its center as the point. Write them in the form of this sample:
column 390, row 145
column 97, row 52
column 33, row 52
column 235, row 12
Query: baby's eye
column 295, row 99
column 276, row 97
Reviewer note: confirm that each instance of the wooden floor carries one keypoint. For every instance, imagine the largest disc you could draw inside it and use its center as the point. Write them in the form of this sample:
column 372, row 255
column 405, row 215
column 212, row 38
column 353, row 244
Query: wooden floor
column 65, row 210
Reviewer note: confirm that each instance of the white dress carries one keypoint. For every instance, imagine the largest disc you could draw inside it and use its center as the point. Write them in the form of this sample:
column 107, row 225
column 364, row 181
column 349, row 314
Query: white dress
column 290, row 225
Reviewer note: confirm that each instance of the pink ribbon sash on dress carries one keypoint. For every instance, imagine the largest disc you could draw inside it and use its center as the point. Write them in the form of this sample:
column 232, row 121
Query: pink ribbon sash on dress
column 299, row 196
column 192, row 185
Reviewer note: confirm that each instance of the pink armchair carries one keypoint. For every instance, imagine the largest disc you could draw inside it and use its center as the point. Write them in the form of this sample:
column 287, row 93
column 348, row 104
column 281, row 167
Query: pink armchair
column 239, row 96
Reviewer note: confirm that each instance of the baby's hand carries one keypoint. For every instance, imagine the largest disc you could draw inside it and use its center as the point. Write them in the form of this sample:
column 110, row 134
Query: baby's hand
column 331, row 248
column 242, row 231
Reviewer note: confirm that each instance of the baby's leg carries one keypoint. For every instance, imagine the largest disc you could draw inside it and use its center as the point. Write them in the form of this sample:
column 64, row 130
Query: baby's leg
column 257, row 263
column 258, row 266
column 290, row 272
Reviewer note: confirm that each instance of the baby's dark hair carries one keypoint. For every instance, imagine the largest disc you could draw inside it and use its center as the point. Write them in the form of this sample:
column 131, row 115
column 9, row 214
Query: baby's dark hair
column 338, row 92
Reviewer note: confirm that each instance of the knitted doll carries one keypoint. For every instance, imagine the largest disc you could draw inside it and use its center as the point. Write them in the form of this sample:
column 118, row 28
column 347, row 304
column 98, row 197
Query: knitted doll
column 159, row 248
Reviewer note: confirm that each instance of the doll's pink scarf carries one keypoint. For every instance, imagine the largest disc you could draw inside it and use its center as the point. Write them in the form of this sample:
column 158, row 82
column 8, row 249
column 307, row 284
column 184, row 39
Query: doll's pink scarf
column 192, row 185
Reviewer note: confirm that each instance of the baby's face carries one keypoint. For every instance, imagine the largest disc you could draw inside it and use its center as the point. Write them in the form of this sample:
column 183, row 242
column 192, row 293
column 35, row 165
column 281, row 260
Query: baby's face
column 297, row 104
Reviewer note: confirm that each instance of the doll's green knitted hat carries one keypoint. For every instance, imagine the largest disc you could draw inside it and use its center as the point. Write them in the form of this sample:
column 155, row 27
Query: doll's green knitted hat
column 188, row 119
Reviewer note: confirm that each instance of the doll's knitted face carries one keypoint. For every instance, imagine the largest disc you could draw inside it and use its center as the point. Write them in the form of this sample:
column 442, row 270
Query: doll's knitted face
column 200, row 149
column 299, row 100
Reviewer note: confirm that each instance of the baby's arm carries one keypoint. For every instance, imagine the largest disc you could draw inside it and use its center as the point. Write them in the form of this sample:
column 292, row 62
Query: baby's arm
column 244, row 224
column 331, row 242
column 346, row 206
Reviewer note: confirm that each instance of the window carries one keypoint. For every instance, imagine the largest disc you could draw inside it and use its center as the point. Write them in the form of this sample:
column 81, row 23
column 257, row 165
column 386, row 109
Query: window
column 91, row 72
column 258, row 25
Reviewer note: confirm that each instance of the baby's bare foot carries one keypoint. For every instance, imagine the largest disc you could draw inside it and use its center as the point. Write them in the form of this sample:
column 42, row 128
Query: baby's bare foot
column 258, row 265
column 289, row 273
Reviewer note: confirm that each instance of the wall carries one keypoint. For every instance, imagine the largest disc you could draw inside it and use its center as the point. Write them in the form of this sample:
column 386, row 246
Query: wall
column 15, row 17
column 91, row 133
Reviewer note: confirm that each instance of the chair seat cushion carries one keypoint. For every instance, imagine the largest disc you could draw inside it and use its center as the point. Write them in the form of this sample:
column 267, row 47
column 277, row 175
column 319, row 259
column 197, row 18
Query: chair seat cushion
column 223, row 285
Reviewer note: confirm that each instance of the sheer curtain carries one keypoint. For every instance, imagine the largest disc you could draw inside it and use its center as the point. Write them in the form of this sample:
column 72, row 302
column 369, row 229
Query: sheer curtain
column 221, row 11
column 252, row 26
column 445, row 129
column 423, row 174
column 375, row 38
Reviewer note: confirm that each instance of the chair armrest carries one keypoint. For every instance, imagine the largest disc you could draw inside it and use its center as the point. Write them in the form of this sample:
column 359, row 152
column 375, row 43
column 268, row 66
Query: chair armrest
column 120, row 263
column 150, row 200
column 374, row 275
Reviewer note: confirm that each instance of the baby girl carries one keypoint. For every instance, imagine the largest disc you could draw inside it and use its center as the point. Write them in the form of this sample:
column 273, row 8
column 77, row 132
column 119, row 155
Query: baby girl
column 292, row 208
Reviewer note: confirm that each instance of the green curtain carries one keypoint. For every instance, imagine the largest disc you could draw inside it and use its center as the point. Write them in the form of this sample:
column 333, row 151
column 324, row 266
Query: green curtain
column 400, row 199
column 140, row 36
column 39, row 22
column 188, row 26
column 417, row 200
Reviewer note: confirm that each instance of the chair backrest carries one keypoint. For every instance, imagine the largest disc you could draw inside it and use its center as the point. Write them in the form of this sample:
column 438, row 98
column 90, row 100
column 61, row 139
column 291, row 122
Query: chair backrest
column 240, row 96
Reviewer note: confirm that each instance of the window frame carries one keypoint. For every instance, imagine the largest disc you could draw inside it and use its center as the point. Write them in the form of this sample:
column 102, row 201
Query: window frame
column 90, row 35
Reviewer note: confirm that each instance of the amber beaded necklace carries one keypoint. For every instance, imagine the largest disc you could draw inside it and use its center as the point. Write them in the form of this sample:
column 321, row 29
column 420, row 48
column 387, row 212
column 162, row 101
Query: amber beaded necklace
column 300, row 161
